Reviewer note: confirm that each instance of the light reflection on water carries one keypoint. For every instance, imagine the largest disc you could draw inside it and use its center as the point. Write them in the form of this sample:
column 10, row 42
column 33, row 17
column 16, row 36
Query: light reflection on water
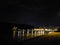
column 27, row 36
column 30, row 33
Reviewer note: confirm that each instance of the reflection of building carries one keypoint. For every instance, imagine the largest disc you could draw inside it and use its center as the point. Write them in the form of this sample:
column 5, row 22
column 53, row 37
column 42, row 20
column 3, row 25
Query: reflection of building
column 32, row 32
column 14, row 31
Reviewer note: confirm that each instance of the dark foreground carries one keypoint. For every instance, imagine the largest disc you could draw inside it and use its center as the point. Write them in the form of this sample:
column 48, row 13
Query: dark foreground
column 41, row 40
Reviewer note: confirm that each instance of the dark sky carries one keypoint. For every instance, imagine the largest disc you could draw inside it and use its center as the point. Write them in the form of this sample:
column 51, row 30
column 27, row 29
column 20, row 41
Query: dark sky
column 34, row 12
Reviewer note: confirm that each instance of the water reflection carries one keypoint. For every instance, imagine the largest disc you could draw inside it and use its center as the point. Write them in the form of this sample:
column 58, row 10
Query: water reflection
column 22, row 34
column 14, row 32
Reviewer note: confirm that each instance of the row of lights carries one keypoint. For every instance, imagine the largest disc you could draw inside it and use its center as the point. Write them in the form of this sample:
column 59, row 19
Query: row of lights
column 47, row 29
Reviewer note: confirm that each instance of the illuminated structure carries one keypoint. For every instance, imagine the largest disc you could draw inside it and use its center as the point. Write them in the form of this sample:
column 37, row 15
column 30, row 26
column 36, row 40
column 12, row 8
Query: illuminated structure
column 33, row 32
column 43, row 31
column 14, row 31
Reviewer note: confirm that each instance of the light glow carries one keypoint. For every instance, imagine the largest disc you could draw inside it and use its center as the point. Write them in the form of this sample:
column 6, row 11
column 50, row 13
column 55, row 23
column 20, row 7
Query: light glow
column 38, row 29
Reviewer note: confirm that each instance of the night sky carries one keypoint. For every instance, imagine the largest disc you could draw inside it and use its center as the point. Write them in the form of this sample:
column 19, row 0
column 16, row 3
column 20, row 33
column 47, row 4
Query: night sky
column 32, row 12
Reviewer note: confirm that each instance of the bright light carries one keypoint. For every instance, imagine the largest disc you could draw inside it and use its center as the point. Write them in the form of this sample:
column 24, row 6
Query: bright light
column 46, row 29
column 38, row 29
column 50, row 32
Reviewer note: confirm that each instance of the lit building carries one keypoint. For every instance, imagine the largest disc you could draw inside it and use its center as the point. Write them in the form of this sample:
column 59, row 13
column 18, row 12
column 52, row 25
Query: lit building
column 44, row 30
column 33, row 32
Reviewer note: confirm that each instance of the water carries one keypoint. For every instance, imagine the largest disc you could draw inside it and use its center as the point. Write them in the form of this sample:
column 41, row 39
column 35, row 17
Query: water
column 26, row 36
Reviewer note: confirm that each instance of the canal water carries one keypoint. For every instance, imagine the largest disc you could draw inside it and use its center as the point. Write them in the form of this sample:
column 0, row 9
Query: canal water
column 25, row 36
